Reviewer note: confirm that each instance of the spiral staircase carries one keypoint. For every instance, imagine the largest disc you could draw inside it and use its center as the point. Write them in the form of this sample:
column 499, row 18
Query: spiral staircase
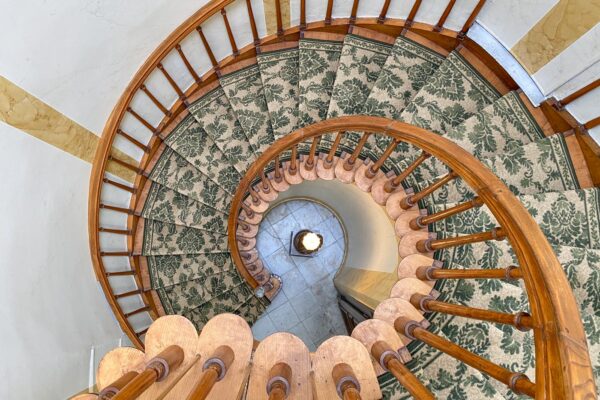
column 496, row 215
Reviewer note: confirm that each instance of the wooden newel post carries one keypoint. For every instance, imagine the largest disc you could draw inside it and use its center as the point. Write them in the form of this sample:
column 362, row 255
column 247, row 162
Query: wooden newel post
column 428, row 245
column 517, row 382
column 390, row 361
column 214, row 369
column 410, row 201
column 394, row 183
column 521, row 320
column 346, row 383
column 279, row 384
column 111, row 390
column 156, row 370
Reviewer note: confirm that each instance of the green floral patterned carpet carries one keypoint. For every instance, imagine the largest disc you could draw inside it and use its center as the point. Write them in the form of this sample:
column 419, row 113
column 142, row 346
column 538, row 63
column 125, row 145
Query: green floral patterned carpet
column 198, row 168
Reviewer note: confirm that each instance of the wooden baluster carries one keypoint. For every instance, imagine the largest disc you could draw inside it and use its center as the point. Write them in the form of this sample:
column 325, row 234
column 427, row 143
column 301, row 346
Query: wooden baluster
column 471, row 19
column 130, row 167
column 349, row 163
column 392, row 184
column 390, row 361
column 384, row 10
column 115, row 253
column 277, row 174
column 422, row 221
column 234, row 48
column 592, row 123
column 119, row 185
column 521, row 320
column 328, row 162
column 111, row 390
column 211, row 56
column 173, row 84
column 411, row 200
column 265, row 187
column 328, row 12
column 115, row 208
column 428, row 273
column 188, row 66
column 293, row 168
column 429, row 245
column 309, row 164
column 214, row 369
column 141, row 120
column 278, row 386
column 120, row 273
column 577, row 94
column 248, row 210
column 372, row 170
column 115, row 231
column 127, row 294
column 345, row 381
column 517, row 382
column 279, row 18
column 254, row 196
column 156, row 370
column 440, row 24
column 353, row 12
column 138, row 311
column 302, row 15
column 252, row 23
column 412, row 14
column 133, row 141
column 154, row 100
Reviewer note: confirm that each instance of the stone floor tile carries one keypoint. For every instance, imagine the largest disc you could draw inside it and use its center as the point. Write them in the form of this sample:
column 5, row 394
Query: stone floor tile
column 293, row 283
column 263, row 327
column 284, row 317
column 278, row 213
column 267, row 242
column 278, row 301
column 300, row 331
column 317, row 326
column 284, row 227
column 311, row 269
column 280, row 261
column 305, row 304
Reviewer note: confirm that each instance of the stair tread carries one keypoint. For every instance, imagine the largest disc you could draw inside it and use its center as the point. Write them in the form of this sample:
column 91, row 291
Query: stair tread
column 169, row 270
column 244, row 89
column 279, row 75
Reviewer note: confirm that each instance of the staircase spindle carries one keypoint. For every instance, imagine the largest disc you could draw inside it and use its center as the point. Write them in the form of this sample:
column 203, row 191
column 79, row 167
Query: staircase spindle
column 141, row 120
column 111, row 390
column 412, row 14
column 187, row 64
column 133, row 141
column 119, row 185
column 390, row 361
column 117, row 209
column 409, row 201
column 521, row 320
column 349, row 163
column 309, row 164
column 154, row 100
column 440, row 24
column 395, row 182
column 383, row 13
column 328, row 162
column 125, row 232
column 156, row 370
column 429, row 245
column 471, row 19
column 592, row 123
column 130, row 167
column 517, row 382
column 279, row 18
column 293, row 168
column 234, row 48
column 265, row 187
column 353, row 12
column 373, row 169
column 433, row 273
column 129, row 293
column 173, row 84
column 209, row 51
column 278, row 386
column 346, row 383
column 138, row 311
column 214, row 369
column 328, row 12
column 252, row 23
column 254, row 196
column 422, row 221
column 277, row 174
column 248, row 210
column 302, row 15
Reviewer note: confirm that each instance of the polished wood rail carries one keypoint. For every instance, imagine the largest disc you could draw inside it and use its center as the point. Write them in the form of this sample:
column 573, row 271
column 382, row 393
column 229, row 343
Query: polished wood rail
column 552, row 317
column 563, row 367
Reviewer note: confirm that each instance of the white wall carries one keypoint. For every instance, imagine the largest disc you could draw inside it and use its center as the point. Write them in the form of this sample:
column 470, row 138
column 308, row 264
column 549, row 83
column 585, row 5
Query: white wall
column 52, row 311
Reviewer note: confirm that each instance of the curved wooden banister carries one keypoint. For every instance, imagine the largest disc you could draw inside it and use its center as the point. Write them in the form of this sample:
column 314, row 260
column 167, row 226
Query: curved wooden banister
column 563, row 366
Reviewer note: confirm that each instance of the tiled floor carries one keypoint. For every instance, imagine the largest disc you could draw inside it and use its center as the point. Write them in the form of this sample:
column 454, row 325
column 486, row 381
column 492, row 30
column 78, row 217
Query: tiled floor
column 307, row 305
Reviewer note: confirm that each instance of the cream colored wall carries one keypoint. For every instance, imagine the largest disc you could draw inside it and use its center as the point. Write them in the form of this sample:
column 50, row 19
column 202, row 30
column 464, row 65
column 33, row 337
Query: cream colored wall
column 52, row 311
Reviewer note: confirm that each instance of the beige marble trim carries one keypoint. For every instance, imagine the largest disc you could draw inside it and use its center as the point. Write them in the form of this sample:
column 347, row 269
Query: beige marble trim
column 29, row 114
column 368, row 287
column 271, row 15
column 566, row 22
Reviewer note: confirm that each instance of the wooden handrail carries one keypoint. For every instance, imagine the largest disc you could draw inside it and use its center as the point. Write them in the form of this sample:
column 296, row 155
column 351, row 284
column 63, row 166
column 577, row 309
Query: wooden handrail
column 522, row 321
column 563, row 366
column 517, row 382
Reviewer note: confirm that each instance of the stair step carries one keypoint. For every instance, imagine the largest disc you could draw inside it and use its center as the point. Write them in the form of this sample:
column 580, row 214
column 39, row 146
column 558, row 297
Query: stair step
column 170, row 270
